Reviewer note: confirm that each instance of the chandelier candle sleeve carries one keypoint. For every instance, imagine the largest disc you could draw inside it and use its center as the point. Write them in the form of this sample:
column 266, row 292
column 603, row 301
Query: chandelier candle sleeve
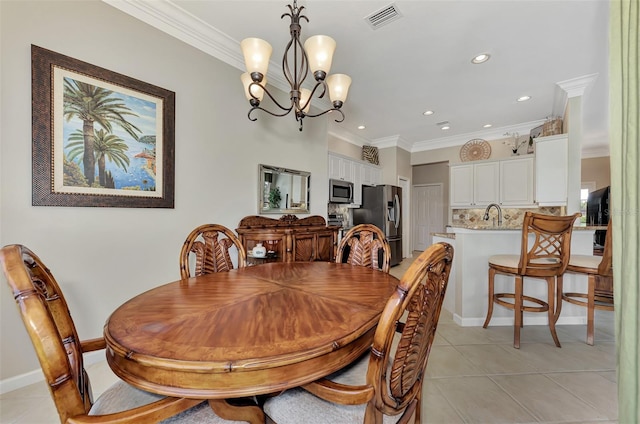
column 315, row 55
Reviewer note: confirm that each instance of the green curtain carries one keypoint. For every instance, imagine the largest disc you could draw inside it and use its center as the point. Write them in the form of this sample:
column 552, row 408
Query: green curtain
column 625, row 205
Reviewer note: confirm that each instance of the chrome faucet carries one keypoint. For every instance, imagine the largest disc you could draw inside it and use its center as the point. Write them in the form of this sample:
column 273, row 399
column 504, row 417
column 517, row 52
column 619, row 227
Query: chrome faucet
column 486, row 213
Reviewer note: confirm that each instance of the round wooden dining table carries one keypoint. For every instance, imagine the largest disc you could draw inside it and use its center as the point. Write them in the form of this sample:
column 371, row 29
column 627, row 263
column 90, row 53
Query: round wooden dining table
column 250, row 331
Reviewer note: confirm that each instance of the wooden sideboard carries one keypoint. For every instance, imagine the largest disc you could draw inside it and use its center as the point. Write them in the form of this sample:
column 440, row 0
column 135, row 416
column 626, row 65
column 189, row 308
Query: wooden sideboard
column 289, row 238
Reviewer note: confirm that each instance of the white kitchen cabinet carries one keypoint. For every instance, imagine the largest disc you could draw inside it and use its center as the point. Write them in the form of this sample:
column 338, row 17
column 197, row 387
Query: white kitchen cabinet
column 461, row 183
column 516, row 182
column 486, row 183
column 506, row 182
column 371, row 174
column 474, row 184
column 551, row 170
column 341, row 168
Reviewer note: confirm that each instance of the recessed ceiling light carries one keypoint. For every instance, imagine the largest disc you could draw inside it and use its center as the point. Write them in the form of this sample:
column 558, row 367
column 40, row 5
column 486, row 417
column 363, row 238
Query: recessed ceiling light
column 487, row 126
column 428, row 112
column 361, row 127
column 481, row 58
column 446, row 127
column 524, row 98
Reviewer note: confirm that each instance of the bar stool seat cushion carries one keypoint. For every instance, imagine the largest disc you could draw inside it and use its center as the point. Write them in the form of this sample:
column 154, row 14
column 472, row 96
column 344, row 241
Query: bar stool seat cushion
column 585, row 261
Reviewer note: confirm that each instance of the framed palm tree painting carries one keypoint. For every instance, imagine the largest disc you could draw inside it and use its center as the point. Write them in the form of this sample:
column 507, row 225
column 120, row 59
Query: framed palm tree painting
column 99, row 138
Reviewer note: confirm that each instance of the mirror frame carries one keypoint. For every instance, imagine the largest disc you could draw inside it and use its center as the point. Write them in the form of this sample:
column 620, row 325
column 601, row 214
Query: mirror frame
column 264, row 208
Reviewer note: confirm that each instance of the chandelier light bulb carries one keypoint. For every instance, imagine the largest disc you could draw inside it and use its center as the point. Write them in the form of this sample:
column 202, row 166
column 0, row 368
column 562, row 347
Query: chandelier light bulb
column 320, row 49
column 338, row 88
column 257, row 53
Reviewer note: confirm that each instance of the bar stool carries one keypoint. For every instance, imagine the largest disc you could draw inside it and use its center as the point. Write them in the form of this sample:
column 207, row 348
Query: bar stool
column 546, row 257
column 593, row 266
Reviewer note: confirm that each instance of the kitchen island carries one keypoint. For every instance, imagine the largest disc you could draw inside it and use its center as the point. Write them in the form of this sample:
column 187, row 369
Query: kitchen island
column 467, row 293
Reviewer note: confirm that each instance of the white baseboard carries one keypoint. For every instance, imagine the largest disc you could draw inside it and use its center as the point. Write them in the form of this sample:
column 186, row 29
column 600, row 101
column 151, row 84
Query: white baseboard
column 35, row 376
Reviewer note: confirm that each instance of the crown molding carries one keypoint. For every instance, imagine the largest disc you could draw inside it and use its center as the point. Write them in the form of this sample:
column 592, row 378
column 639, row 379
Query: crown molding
column 489, row 134
column 575, row 87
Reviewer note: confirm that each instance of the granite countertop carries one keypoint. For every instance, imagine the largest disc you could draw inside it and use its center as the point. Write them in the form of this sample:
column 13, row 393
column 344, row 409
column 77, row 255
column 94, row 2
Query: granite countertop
column 444, row 235
column 507, row 228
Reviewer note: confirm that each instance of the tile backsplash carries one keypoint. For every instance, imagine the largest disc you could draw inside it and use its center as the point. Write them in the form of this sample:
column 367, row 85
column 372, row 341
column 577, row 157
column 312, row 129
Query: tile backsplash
column 343, row 210
column 511, row 217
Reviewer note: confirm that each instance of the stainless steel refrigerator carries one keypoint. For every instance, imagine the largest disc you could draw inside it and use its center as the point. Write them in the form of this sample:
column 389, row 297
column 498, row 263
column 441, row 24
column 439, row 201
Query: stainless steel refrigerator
column 381, row 206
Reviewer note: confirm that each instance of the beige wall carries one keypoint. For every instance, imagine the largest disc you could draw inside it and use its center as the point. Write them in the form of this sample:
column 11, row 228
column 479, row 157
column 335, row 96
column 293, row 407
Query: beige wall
column 104, row 256
column 500, row 149
column 338, row 145
column 597, row 170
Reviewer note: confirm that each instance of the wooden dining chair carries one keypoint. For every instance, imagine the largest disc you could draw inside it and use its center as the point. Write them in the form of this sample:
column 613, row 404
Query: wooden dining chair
column 364, row 242
column 210, row 244
column 544, row 254
column 594, row 267
column 49, row 324
column 385, row 385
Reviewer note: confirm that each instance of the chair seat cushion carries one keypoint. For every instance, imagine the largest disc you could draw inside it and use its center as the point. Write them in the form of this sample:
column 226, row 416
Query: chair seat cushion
column 121, row 396
column 509, row 261
column 584, row 261
column 297, row 406
column 512, row 261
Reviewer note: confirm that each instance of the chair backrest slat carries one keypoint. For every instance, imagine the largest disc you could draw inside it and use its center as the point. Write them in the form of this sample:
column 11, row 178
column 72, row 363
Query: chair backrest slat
column 547, row 252
column 364, row 243
column 210, row 244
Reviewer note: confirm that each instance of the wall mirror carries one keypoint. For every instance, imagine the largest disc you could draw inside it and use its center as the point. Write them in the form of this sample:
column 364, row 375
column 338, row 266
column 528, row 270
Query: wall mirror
column 283, row 190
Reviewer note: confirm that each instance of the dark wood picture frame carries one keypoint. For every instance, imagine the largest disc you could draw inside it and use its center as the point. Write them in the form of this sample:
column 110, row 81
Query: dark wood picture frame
column 49, row 188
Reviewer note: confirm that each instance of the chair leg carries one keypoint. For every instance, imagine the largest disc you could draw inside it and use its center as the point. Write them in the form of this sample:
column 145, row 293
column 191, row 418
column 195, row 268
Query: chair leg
column 551, row 293
column 559, row 289
column 517, row 312
column 492, row 275
column 591, row 308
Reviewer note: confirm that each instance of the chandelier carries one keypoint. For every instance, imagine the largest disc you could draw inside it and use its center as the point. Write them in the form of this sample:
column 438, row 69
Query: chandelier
column 315, row 55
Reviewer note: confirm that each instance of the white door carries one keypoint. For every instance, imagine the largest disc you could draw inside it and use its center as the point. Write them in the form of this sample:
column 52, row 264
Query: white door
column 427, row 213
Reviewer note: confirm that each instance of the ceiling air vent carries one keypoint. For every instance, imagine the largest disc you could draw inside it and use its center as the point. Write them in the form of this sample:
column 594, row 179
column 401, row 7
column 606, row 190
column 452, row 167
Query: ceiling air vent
column 383, row 16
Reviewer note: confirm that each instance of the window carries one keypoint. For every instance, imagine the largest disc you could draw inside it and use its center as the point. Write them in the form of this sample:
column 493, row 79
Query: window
column 586, row 187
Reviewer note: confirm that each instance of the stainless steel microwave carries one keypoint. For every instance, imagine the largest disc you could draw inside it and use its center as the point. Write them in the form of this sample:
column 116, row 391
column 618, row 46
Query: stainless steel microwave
column 340, row 191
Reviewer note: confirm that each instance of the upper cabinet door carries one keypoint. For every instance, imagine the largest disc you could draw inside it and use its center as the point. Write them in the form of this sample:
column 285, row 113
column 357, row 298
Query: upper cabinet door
column 516, row 182
column 486, row 183
column 461, row 182
column 551, row 170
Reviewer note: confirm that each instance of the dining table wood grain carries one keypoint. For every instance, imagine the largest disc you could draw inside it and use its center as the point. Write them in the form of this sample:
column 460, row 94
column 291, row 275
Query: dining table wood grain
column 250, row 331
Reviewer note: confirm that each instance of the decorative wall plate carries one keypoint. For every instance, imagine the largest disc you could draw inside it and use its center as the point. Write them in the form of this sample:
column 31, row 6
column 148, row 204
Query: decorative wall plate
column 475, row 149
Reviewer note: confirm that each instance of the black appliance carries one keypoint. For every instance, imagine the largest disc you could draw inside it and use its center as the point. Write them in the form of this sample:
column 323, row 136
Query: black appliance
column 598, row 212
column 381, row 206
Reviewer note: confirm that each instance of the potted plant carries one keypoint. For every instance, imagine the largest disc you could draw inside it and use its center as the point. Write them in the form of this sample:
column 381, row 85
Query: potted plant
column 274, row 198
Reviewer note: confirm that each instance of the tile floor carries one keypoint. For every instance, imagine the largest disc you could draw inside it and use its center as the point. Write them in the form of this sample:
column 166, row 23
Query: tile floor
column 473, row 376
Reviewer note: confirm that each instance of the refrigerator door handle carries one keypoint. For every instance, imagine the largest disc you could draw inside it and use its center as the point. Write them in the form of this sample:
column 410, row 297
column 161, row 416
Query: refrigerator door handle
column 396, row 207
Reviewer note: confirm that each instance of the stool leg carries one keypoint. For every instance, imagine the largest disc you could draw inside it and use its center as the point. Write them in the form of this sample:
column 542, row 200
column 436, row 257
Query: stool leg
column 551, row 292
column 591, row 308
column 492, row 275
column 559, row 289
column 517, row 312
